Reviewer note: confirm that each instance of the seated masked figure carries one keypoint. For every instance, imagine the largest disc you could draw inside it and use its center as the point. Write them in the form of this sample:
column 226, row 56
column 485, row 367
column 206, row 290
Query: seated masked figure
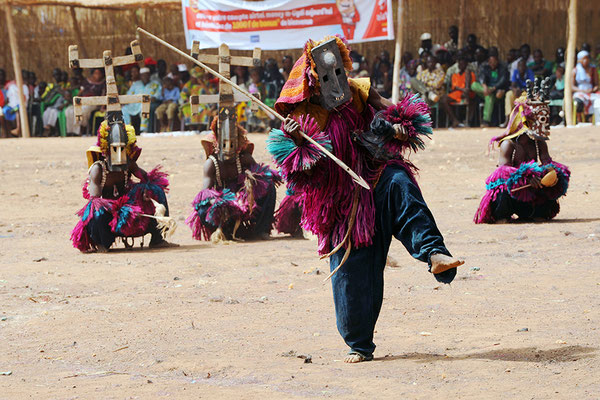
column 527, row 182
column 117, row 205
column 237, row 200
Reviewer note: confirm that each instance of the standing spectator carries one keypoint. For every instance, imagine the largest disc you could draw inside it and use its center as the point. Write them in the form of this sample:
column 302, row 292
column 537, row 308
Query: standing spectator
column 460, row 91
column 491, row 85
column 426, row 43
column 518, row 81
column 168, row 107
column 540, row 66
column 143, row 86
column 150, row 63
column 585, row 86
column 287, row 63
column 471, row 47
column 452, row 45
column 585, row 46
column 273, row 81
column 560, row 58
column 430, row 81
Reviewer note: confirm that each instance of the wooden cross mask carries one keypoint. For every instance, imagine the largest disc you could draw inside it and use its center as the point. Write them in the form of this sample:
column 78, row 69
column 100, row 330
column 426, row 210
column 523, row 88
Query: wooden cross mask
column 112, row 100
column 226, row 97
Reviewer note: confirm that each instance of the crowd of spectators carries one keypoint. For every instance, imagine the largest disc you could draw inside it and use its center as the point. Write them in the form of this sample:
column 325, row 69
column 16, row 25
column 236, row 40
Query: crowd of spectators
column 51, row 112
column 446, row 76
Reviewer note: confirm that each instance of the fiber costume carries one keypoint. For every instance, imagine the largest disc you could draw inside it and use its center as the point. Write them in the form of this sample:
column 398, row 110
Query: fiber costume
column 508, row 188
column 120, row 211
column 289, row 213
column 354, row 225
column 242, row 206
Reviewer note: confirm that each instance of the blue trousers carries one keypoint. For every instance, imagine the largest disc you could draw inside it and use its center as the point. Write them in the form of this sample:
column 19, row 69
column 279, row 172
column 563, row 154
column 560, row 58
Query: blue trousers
column 358, row 285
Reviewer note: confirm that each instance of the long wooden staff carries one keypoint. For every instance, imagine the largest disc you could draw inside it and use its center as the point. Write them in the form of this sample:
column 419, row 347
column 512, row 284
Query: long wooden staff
column 265, row 107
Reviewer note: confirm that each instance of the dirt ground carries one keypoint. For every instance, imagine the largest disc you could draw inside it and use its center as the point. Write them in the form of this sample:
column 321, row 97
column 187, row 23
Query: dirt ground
column 239, row 320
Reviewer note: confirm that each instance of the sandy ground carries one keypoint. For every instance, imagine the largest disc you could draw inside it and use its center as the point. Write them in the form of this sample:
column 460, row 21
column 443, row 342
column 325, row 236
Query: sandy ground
column 237, row 321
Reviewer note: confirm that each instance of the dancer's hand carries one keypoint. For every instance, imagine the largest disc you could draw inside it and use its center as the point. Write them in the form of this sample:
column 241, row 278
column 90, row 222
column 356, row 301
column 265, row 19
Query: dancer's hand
column 401, row 133
column 293, row 129
column 535, row 182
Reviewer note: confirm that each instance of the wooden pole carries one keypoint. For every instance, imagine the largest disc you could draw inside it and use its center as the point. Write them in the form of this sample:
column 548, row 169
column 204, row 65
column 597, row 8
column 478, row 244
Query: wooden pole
column 14, row 47
column 570, row 62
column 397, row 55
column 78, row 32
column 461, row 24
column 358, row 179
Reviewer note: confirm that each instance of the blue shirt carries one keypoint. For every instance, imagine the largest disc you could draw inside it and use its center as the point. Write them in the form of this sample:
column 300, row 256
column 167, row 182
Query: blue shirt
column 172, row 95
column 521, row 82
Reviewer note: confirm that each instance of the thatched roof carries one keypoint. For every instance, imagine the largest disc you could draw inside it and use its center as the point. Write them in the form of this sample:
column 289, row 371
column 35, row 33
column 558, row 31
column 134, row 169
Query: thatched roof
column 101, row 4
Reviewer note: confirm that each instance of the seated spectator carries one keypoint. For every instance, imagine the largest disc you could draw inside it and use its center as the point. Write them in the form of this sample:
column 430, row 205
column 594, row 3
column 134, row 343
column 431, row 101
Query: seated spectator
column 429, row 82
column 557, row 92
column 287, row 63
column 169, row 106
column 511, row 56
column 481, row 56
column 92, row 86
column 540, row 66
column 585, row 86
column 9, row 113
column 53, row 107
column 175, row 75
column 460, row 91
column 383, row 82
column 195, row 85
column 454, row 69
column 558, row 84
column 384, row 56
column 257, row 121
column 518, row 83
column 407, row 74
column 491, row 85
column 524, row 54
column 143, row 86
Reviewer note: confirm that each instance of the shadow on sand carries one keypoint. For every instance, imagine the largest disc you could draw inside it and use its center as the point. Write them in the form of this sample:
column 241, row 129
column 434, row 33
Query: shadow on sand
column 526, row 354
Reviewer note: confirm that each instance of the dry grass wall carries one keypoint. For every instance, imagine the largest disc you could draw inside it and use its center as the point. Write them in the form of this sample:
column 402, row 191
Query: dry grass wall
column 44, row 32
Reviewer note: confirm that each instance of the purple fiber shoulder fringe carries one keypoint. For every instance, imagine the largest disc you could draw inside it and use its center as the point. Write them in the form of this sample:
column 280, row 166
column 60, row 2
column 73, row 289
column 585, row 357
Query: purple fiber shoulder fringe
column 289, row 214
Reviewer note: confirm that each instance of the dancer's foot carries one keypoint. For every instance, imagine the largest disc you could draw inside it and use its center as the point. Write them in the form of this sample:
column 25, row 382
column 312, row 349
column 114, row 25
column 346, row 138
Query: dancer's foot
column 355, row 357
column 441, row 263
column 163, row 244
